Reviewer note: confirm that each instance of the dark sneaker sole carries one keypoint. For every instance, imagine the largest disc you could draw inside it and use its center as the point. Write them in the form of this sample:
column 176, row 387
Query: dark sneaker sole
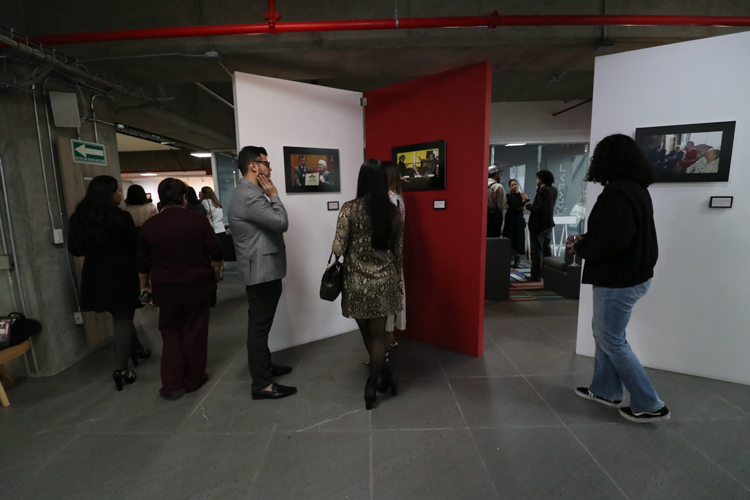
column 587, row 395
column 645, row 419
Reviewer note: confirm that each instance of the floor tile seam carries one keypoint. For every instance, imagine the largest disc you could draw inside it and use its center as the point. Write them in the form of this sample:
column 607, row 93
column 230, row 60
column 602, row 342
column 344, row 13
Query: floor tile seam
column 200, row 404
column 549, row 334
column 576, row 438
column 471, row 435
column 732, row 404
column 48, row 460
column 713, row 462
column 263, row 459
column 598, row 463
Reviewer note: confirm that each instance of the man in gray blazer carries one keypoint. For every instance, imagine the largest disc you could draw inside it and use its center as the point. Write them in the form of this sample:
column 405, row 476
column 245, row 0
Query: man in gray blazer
column 258, row 219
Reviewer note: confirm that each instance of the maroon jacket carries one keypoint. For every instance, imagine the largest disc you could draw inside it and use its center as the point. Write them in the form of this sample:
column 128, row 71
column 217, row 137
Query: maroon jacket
column 177, row 247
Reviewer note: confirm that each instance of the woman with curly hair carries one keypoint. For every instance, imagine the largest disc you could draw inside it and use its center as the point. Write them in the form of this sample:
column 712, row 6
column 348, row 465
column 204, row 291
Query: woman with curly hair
column 106, row 236
column 369, row 237
column 620, row 250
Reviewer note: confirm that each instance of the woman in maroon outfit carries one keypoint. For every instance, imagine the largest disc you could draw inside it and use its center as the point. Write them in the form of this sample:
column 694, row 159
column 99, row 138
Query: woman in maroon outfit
column 179, row 259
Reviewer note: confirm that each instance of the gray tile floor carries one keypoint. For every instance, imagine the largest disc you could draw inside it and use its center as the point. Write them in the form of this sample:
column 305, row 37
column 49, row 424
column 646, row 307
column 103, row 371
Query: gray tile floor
column 506, row 425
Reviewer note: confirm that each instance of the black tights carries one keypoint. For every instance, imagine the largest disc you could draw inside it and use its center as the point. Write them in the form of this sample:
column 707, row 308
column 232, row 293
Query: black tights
column 373, row 333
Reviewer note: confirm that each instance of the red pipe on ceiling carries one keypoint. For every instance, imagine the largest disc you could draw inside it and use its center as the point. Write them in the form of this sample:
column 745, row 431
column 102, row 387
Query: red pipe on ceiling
column 492, row 21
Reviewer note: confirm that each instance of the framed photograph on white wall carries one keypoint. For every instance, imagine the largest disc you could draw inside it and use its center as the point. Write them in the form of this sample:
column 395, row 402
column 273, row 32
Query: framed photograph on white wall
column 699, row 152
column 311, row 170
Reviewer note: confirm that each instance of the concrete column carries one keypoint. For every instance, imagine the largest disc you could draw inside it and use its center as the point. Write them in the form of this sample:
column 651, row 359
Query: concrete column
column 45, row 276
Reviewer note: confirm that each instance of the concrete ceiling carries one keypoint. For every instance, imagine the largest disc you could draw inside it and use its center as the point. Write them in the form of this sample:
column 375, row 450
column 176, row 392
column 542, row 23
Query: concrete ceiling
column 529, row 63
column 129, row 144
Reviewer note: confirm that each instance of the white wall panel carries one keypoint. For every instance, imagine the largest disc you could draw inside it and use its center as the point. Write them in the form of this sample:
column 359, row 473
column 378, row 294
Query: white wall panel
column 695, row 318
column 276, row 113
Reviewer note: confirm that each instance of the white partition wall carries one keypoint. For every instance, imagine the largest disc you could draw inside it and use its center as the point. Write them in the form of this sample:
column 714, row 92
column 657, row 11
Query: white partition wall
column 695, row 318
column 276, row 113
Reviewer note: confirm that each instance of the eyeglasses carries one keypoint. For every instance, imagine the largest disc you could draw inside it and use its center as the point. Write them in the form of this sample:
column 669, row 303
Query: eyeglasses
column 266, row 163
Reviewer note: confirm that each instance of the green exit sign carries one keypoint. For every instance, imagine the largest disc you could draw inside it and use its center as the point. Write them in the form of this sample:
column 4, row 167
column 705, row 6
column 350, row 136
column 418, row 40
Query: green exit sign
column 88, row 152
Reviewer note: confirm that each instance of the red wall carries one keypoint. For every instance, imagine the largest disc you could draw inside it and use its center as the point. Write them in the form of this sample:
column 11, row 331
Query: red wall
column 444, row 250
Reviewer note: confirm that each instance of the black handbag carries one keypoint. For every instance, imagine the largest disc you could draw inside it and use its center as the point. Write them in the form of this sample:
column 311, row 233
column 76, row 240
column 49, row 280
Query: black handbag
column 330, row 285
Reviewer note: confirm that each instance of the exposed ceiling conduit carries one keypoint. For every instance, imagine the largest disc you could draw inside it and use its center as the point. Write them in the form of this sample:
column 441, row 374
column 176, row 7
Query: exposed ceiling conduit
column 491, row 21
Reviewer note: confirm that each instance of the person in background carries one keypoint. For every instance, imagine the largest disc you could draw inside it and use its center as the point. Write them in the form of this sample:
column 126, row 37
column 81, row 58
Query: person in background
column 515, row 224
column 106, row 236
column 193, row 203
column 258, row 221
column 213, row 206
column 620, row 249
column 395, row 194
column 138, row 205
column 369, row 237
column 541, row 221
column 179, row 261
column 496, row 203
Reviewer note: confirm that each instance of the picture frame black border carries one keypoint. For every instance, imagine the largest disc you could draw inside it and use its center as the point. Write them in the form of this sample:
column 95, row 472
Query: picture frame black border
column 727, row 143
column 435, row 183
column 289, row 176
column 711, row 201
column 333, row 206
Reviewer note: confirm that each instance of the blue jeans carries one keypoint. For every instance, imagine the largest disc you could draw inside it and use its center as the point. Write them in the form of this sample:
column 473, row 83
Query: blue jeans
column 615, row 363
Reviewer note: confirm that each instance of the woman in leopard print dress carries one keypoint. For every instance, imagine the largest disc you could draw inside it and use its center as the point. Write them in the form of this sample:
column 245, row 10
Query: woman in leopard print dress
column 369, row 237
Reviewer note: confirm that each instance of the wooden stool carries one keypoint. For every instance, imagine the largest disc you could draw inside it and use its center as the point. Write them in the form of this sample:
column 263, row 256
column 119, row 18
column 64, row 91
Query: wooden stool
column 6, row 355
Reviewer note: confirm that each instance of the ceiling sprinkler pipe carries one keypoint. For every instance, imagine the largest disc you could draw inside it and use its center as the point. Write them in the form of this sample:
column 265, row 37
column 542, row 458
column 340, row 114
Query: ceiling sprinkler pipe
column 491, row 21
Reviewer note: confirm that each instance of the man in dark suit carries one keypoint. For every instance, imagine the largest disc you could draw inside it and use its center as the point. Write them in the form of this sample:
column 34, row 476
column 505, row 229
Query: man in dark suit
column 258, row 220
column 300, row 171
column 541, row 221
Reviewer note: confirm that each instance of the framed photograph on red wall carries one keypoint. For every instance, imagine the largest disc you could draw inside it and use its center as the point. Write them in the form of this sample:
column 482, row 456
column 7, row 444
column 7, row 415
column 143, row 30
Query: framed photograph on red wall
column 422, row 166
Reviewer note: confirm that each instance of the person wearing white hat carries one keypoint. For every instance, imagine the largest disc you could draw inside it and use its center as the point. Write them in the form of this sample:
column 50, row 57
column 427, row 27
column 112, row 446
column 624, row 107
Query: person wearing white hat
column 496, row 203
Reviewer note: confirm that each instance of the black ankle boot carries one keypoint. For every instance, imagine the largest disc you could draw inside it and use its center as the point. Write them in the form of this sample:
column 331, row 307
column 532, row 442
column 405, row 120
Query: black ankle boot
column 387, row 381
column 370, row 393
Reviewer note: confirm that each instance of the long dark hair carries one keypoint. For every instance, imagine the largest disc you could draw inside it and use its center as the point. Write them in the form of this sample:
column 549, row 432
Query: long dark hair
column 96, row 217
column 136, row 195
column 619, row 157
column 372, row 187
column 393, row 176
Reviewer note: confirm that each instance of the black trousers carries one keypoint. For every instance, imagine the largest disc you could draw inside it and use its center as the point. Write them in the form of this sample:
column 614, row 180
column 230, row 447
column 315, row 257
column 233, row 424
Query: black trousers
column 494, row 223
column 262, row 300
column 539, row 247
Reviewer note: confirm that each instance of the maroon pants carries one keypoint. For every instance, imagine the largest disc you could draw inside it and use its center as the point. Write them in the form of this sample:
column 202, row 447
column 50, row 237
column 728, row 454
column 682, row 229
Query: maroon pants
column 184, row 333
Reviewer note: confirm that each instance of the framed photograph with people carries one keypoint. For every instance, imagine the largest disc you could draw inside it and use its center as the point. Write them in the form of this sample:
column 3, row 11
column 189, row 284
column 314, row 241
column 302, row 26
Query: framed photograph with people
column 311, row 170
column 699, row 152
column 422, row 166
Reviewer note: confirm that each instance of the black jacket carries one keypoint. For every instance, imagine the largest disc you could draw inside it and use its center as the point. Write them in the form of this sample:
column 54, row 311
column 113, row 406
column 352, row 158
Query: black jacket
column 109, row 279
column 620, row 247
column 542, row 209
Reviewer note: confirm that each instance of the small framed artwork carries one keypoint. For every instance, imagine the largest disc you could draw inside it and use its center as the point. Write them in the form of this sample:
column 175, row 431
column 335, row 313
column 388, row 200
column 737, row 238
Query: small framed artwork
column 422, row 166
column 333, row 206
column 311, row 170
column 699, row 152
column 438, row 204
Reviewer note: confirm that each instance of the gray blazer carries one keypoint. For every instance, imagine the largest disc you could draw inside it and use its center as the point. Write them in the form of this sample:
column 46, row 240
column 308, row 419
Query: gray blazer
column 257, row 224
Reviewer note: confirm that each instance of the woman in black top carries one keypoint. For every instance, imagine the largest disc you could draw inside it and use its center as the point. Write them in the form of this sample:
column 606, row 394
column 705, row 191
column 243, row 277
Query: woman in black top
column 515, row 224
column 106, row 236
column 620, row 250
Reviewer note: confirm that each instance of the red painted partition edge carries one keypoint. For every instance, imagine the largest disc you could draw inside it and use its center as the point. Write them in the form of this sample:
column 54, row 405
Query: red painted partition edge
column 444, row 250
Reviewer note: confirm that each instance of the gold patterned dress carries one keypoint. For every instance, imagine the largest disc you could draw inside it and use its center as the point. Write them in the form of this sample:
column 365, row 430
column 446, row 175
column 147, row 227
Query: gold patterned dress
column 371, row 277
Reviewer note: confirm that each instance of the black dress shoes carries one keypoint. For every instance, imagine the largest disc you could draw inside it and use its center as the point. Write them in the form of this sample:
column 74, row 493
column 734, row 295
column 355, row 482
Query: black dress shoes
column 277, row 371
column 277, row 391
